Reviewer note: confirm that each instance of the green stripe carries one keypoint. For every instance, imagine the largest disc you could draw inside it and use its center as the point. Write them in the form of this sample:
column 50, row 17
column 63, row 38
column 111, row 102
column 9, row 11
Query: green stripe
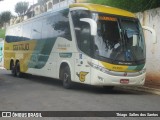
column 41, row 53
column 65, row 55
column 136, row 68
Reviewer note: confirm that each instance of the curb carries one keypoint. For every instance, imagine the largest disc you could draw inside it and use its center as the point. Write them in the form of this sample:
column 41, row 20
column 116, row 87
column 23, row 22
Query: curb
column 142, row 89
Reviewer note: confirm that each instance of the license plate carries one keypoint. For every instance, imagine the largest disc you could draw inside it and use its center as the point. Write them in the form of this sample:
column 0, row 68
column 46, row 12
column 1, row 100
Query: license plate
column 124, row 81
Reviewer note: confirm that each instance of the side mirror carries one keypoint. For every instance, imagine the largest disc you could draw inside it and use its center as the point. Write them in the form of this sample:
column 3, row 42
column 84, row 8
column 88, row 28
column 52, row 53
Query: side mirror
column 152, row 32
column 92, row 24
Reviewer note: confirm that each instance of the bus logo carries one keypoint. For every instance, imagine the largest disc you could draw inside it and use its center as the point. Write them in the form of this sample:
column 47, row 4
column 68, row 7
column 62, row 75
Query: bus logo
column 82, row 76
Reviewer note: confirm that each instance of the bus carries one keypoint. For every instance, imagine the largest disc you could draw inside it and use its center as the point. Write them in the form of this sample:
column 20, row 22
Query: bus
column 83, row 43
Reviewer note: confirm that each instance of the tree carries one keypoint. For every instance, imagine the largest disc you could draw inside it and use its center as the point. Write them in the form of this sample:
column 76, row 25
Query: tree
column 1, row 23
column 5, row 17
column 130, row 5
column 21, row 8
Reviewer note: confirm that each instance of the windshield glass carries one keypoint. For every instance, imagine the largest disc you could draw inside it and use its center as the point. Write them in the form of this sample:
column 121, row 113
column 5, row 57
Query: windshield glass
column 133, row 40
column 108, row 38
column 119, row 39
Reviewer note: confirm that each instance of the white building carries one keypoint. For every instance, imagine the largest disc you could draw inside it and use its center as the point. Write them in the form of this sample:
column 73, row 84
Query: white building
column 37, row 9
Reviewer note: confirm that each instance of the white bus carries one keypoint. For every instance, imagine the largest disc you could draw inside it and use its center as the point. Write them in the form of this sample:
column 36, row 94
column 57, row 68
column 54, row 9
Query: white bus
column 84, row 43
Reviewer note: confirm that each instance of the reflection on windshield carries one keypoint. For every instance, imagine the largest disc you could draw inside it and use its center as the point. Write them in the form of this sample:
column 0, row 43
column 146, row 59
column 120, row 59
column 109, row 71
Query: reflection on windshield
column 105, row 41
column 133, row 40
column 119, row 40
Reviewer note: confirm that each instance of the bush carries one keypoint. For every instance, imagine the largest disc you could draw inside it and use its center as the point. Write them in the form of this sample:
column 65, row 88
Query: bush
column 130, row 5
column 2, row 33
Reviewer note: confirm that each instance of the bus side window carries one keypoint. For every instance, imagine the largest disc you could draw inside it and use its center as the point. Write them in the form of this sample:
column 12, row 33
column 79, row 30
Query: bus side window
column 61, row 24
column 26, row 31
column 36, row 30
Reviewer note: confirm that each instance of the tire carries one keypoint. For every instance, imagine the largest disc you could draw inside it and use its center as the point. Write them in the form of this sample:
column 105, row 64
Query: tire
column 17, row 70
column 66, row 78
column 12, row 68
column 108, row 88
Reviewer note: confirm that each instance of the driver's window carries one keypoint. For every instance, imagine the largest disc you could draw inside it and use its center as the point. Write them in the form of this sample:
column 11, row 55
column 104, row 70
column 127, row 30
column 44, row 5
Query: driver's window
column 82, row 31
column 83, row 38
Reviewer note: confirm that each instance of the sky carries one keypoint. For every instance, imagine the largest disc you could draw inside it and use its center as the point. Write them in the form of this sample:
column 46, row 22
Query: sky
column 9, row 5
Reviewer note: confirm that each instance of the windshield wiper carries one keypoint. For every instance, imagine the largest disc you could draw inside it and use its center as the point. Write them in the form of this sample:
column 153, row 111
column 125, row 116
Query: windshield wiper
column 121, row 41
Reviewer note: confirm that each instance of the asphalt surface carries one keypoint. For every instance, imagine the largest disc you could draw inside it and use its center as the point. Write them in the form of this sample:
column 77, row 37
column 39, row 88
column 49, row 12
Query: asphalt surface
column 34, row 93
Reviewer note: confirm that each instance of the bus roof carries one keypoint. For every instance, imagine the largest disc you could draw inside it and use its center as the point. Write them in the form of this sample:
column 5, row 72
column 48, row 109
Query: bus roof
column 103, row 9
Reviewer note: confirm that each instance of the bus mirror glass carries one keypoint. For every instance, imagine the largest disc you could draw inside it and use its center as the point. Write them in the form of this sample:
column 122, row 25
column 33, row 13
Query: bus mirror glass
column 153, row 32
column 134, row 40
column 92, row 24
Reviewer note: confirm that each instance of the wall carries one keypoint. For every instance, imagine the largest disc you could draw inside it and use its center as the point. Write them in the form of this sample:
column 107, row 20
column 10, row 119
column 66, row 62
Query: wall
column 151, row 18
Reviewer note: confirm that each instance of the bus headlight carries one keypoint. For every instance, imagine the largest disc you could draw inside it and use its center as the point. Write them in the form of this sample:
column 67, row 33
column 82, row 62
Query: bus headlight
column 102, row 69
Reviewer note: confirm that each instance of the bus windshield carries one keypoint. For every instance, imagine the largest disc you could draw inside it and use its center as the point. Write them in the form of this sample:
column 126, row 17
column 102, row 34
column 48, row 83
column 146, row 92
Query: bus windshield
column 119, row 40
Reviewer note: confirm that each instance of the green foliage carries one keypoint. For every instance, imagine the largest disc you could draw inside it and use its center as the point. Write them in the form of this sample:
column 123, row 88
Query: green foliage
column 5, row 17
column 21, row 8
column 130, row 5
column 2, row 33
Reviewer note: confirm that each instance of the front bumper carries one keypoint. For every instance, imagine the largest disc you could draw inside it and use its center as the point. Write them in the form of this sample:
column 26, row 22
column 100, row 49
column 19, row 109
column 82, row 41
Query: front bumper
column 99, row 78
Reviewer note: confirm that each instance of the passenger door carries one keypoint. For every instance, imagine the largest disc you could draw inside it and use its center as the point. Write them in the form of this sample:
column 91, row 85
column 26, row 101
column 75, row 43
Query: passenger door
column 84, row 47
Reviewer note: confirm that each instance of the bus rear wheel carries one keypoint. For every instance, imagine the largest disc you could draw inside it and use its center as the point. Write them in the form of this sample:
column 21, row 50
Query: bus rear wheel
column 17, row 70
column 12, row 68
column 66, row 77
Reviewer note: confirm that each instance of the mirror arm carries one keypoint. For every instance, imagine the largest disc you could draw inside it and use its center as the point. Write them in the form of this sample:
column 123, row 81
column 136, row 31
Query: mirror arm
column 93, row 25
column 152, row 32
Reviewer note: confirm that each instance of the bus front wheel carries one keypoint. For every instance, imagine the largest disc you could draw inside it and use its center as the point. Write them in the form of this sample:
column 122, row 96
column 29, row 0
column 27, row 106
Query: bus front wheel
column 66, row 77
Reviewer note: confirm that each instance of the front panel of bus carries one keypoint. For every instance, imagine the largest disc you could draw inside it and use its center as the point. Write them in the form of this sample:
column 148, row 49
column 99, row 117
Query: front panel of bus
column 117, row 51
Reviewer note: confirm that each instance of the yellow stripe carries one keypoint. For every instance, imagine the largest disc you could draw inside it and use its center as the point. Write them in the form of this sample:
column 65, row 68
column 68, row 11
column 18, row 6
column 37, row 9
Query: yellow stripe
column 9, row 53
column 104, row 9
column 117, row 68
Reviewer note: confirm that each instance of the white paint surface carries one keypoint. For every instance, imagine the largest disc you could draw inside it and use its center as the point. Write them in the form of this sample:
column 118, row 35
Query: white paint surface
column 151, row 18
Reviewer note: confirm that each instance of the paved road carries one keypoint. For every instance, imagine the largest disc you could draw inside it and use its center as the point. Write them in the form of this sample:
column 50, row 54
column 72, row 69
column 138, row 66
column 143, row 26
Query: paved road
column 45, row 94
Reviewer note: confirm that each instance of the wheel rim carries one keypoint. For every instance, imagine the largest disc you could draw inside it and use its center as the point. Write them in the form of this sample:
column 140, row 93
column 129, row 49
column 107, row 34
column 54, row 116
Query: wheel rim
column 66, row 77
column 12, row 68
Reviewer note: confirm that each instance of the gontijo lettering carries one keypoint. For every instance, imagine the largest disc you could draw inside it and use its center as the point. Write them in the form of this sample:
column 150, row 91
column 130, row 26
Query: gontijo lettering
column 21, row 47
